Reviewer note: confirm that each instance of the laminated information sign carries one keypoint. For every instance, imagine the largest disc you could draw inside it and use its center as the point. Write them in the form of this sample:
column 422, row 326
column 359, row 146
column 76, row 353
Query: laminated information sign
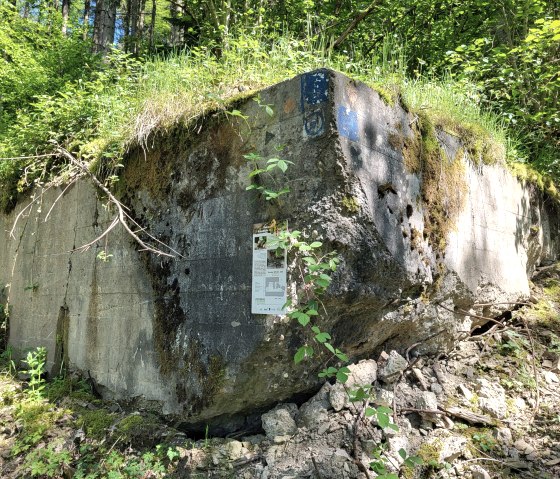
column 269, row 272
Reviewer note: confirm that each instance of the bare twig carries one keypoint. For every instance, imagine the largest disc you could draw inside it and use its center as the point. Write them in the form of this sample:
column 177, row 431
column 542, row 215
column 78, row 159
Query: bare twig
column 357, row 20
column 520, row 303
column 60, row 196
column 460, row 312
column 121, row 214
column 466, row 415
column 535, row 372
column 489, row 459
column 32, row 157
column 22, row 212
column 319, row 476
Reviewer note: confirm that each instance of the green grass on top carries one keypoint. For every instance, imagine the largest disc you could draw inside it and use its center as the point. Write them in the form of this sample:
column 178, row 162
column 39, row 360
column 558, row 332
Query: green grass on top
column 129, row 101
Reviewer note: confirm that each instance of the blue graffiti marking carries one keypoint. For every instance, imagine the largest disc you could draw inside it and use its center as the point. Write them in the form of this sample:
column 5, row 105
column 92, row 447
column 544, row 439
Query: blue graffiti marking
column 314, row 88
column 348, row 123
column 314, row 123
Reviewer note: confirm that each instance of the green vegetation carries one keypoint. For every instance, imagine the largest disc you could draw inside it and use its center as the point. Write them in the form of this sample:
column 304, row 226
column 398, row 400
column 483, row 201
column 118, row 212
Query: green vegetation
column 49, row 413
column 486, row 72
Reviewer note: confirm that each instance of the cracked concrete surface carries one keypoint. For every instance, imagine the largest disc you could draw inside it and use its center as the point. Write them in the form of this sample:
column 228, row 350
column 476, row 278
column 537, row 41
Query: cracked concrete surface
column 180, row 332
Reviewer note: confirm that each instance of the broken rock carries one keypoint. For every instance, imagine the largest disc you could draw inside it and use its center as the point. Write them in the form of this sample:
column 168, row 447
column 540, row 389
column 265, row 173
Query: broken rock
column 280, row 421
column 391, row 366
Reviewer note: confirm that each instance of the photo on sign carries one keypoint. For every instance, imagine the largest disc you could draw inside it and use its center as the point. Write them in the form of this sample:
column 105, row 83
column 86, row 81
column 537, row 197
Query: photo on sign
column 260, row 242
column 274, row 287
column 275, row 260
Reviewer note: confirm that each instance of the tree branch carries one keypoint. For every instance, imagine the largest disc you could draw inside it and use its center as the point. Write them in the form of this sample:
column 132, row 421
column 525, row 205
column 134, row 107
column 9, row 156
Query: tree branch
column 121, row 216
column 357, row 20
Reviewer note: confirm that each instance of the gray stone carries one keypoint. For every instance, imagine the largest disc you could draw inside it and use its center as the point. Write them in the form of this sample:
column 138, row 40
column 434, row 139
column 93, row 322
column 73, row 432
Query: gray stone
column 492, row 398
column 363, row 373
column 427, row 400
column 447, row 445
column 391, row 366
column 279, row 421
column 503, row 436
column 479, row 472
column 383, row 397
column 313, row 413
column 465, row 392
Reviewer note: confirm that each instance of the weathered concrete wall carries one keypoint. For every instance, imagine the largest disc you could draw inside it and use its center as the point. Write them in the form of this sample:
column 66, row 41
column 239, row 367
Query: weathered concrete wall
column 180, row 332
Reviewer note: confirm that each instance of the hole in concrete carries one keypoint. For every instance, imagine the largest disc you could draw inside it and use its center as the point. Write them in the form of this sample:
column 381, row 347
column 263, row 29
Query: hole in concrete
column 382, row 190
column 390, row 210
column 187, row 271
column 409, row 211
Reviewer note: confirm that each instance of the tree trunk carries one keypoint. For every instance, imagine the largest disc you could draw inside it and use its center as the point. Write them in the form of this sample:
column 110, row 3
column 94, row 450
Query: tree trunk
column 127, row 17
column 136, row 25
column 151, row 38
column 87, row 8
column 65, row 11
column 177, row 30
column 104, row 25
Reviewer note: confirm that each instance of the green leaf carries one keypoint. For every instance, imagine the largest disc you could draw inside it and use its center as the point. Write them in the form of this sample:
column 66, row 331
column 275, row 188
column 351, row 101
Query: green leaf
column 382, row 420
column 316, row 244
column 322, row 337
column 302, row 318
column 340, row 355
column 282, row 165
column 300, row 355
column 358, row 395
column 330, row 347
column 341, row 376
column 323, row 283
column 256, row 172
column 312, row 312
column 269, row 111
column 309, row 260
column 252, row 157
column 315, row 329
column 378, row 467
column 402, row 453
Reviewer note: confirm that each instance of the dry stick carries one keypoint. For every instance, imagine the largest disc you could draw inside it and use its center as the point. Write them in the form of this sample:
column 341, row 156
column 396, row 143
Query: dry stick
column 355, row 443
column 316, row 467
column 27, row 157
column 143, row 230
column 354, row 24
column 464, row 313
column 60, row 196
column 33, row 201
column 489, row 459
column 120, row 218
column 506, row 302
column 535, row 372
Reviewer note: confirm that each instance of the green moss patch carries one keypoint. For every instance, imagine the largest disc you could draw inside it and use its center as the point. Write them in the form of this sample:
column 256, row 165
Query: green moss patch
column 443, row 186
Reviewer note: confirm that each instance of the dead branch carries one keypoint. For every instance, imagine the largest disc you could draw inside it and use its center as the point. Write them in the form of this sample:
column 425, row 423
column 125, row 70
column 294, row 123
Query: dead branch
column 357, row 20
column 535, row 372
column 121, row 216
column 516, row 303
column 460, row 312
column 60, row 196
column 316, row 467
column 463, row 414
column 22, row 212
